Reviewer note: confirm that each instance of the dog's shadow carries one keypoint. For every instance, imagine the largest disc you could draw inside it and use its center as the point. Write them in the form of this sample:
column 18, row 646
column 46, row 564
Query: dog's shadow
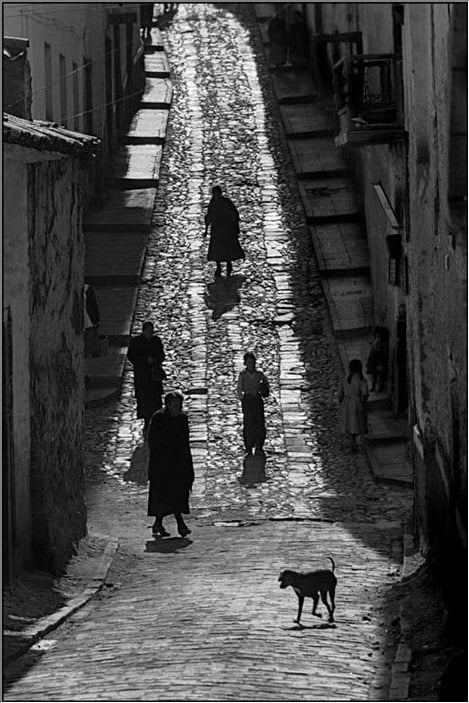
column 168, row 545
column 319, row 626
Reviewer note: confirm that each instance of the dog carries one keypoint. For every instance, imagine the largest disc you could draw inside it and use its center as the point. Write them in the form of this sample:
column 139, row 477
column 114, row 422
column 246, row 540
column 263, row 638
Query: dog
column 311, row 585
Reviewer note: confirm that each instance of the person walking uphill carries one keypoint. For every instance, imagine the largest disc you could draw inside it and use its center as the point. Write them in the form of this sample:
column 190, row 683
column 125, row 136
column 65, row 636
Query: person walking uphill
column 146, row 354
column 252, row 388
column 223, row 218
column 353, row 394
column 170, row 468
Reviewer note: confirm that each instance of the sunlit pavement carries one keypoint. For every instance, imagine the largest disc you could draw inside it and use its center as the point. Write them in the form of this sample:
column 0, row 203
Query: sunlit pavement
column 204, row 618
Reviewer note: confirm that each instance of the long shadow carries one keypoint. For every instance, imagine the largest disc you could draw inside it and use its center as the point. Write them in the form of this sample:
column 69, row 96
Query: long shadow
column 223, row 294
column 169, row 545
column 138, row 470
column 253, row 470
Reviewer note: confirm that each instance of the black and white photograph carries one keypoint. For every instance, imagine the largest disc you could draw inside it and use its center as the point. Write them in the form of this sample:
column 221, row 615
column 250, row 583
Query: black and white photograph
column 234, row 351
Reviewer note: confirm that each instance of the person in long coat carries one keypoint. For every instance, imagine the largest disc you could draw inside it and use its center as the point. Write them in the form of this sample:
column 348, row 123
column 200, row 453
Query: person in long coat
column 146, row 354
column 252, row 388
column 353, row 395
column 298, row 40
column 223, row 219
column 278, row 40
column 170, row 468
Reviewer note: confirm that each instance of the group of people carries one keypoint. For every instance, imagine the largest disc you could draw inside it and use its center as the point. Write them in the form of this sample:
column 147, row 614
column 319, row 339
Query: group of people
column 170, row 469
column 170, row 466
column 288, row 38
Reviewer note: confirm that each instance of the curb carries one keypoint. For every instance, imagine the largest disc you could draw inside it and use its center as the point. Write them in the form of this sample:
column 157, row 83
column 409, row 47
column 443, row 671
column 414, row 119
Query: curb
column 400, row 674
column 51, row 622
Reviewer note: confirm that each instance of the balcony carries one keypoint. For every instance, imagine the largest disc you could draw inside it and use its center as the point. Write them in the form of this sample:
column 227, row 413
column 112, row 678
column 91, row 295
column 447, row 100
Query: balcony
column 369, row 99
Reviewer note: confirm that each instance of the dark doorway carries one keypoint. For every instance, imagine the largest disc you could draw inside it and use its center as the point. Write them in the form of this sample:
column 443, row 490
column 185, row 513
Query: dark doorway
column 402, row 396
column 8, row 485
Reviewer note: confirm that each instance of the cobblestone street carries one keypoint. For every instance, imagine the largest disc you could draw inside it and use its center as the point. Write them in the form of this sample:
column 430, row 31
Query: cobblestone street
column 203, row 618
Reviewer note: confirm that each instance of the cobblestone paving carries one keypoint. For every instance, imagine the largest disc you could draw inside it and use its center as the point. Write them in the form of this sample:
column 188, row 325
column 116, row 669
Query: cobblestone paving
column 224, row 635
column 221, row 132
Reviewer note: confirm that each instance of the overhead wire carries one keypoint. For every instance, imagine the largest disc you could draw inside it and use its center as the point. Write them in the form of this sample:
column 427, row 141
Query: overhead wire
column 70, row 73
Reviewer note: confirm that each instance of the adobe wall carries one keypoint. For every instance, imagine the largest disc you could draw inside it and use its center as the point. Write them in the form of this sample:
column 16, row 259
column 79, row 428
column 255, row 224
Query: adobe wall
column 56, row 361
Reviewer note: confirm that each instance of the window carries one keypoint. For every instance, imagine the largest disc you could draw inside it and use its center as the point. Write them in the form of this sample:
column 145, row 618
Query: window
column 76, row 98
column 87, row 97
column 48, row 81
column 63, row 90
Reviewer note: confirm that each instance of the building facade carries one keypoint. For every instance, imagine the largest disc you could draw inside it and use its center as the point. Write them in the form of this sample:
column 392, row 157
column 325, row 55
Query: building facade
column 44, row 510
column 399, row 75
column 87, row 68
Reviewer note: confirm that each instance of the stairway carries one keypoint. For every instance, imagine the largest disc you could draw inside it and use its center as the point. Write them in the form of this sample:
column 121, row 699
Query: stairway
column 338, row 236
column 116, row 236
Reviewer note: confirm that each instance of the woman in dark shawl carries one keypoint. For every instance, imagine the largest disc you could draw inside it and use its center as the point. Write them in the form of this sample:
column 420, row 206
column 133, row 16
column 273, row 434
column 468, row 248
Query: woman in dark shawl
column 170, row 469
column 223, row 217
column 146, row 354
column 253, row 387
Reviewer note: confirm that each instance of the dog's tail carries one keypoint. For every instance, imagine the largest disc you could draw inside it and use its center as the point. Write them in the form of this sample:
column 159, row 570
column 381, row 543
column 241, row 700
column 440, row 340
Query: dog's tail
column 333, row 563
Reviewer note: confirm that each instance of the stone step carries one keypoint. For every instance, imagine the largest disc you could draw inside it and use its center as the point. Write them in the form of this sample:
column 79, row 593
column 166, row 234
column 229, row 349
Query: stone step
column 294, row 87
column 383, row 427
column 317, row 156
column 158, row 93
column 116, row 308
column 106, row 371
column 307, row 119
column 155, row 42
column 340, row 248
column 350, row 303
column 148, row 126
column 124, row 211
column 157, row 65
column 95, row 397
column 114, row 258
column 389, row 462
column 137, row 166
column 329, row 200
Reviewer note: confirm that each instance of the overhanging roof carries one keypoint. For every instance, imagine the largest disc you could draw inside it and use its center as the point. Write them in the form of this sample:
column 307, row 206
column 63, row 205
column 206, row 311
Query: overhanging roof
column 47, row 136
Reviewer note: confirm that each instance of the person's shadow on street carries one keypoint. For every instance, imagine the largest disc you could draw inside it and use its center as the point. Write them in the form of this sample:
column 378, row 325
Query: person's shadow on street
column 138, row 470
column 223, row 294
column 168, row 545
column 253, row 470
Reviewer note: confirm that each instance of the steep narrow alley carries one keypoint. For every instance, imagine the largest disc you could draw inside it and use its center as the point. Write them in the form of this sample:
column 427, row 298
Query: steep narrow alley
column 204, row 618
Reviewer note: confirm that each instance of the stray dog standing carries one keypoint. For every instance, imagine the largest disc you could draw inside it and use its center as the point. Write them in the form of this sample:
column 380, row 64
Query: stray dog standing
column 310, row 585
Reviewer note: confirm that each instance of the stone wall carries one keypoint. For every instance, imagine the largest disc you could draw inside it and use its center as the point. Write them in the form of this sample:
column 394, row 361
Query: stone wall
column 56, row 249
column 16, row 300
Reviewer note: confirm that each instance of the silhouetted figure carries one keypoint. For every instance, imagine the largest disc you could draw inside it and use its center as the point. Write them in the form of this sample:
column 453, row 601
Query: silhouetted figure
column 278, row 40
column 253, row 387
column 377, row 363
column 223, row 219
column 146, row 354
column 298, row 40
column 170, row 468
column 352, row 396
